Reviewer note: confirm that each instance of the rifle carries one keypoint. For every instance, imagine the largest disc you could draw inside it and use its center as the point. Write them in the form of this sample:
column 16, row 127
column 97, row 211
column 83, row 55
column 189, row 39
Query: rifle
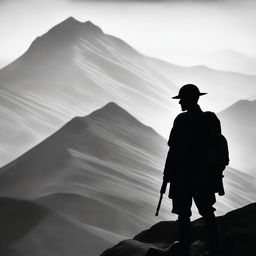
column 162, row 191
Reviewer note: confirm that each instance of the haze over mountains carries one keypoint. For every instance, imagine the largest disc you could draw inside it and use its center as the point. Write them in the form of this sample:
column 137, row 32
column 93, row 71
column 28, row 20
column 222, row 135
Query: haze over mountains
column 98, row 176
column 75, row 68
column 223, row 87
column 233, row 60
column 91, row 156
column 239, row 124
column 96, row 180
column 100, row 172
column 72, row 70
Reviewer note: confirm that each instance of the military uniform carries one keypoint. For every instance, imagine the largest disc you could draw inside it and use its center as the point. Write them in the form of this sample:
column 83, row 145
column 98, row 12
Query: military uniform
column 197, row 156
column 189, row 174
column 186, row 168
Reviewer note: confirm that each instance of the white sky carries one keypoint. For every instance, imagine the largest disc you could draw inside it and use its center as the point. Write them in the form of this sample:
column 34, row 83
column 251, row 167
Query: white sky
column 186, row 33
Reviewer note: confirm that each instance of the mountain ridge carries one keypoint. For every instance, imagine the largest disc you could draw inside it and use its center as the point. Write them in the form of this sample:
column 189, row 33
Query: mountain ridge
column 46, row 87
column 71, row 23
column 111, row 112
column 73, row 75
column 103, row 172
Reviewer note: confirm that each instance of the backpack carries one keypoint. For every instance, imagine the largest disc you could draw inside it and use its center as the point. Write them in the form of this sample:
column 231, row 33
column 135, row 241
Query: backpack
column 217, row 155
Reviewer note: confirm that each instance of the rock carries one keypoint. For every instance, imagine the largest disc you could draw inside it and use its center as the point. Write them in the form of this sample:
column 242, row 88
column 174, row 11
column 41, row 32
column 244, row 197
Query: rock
column 237, row 237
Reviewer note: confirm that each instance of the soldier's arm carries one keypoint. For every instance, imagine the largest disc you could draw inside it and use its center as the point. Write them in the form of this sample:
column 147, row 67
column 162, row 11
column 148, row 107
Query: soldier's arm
column 172, row 143
column 174, row 131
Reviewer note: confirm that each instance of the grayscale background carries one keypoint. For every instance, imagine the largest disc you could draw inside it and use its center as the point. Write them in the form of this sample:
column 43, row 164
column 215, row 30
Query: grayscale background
column 86, row 110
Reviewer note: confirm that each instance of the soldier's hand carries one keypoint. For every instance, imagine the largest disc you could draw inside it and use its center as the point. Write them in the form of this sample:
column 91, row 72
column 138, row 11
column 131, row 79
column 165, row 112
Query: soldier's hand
column 166, row 177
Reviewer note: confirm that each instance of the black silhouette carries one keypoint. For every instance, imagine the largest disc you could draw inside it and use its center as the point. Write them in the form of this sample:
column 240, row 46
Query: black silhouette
column 162, row 191
column 196, row 159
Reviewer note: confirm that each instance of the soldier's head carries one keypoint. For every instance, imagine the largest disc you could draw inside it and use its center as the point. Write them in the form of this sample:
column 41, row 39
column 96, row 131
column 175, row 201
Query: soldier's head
column 188, row 96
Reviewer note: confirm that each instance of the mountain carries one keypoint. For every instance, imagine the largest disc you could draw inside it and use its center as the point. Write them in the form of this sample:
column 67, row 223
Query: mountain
column 72, row 70
column 238, row 125
column 103, row 172
column 237, row 236
column 224, row 88
column 30, row 229
column 238, row 120
column 75, row 68
column 236, row 61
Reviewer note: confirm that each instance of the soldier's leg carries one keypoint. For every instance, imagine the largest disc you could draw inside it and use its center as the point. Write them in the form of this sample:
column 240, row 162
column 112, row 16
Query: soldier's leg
column 182, row 206
column 212, row 232
column 184, row 234
column 204, row 202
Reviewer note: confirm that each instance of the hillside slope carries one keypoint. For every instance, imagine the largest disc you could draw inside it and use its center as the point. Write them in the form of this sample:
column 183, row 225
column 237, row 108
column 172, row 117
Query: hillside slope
column 30, row 229
column 104, row 171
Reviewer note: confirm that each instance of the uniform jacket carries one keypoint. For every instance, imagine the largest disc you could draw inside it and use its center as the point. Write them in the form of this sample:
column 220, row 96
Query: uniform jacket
column 188, row 143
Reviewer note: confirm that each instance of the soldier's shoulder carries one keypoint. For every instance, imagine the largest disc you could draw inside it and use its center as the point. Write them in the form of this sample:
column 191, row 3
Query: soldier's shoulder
column 210, row 114
column 181, row 117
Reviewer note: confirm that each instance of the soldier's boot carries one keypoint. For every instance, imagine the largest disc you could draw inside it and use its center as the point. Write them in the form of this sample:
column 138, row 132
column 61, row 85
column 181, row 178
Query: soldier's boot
column 184, row 236
column 212, row 233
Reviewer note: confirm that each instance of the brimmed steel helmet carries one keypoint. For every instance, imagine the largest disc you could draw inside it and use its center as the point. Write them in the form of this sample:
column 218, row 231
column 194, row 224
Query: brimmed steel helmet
column 188, row 91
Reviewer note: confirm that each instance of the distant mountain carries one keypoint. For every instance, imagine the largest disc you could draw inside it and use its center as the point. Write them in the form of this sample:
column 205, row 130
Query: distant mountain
column 75, row 68
column 223, row 87
column 238, row 120
column 232, row 60
column 239, row 126
column 237, row 236
column 103, row 172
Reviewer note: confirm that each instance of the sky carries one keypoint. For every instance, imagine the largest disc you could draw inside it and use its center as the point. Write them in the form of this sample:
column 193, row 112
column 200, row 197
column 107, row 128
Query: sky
column 219, row 33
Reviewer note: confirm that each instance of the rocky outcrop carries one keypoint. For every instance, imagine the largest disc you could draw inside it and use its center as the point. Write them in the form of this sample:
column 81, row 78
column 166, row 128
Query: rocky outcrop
column 237, row 235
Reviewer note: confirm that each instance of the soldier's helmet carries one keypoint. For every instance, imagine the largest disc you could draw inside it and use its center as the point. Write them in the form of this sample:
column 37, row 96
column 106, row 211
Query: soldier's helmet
column 189, row 91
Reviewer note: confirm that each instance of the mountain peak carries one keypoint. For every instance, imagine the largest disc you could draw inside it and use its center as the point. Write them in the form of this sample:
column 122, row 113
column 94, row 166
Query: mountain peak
column 70, row 20
column 73, row 21
column 91, row 27
column 111, row 116
column 113, row 106
column 66, row 31
column 71, row 27
column 112, row 109
column 244, row 103
column 114, row 113
column 89, row 23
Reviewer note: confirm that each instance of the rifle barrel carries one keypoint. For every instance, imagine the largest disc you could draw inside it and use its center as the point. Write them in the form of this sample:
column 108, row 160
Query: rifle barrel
column 159, row 204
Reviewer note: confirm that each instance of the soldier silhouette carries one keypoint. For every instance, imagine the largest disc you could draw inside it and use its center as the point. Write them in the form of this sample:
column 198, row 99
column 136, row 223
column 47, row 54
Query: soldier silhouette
column 189, row 169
